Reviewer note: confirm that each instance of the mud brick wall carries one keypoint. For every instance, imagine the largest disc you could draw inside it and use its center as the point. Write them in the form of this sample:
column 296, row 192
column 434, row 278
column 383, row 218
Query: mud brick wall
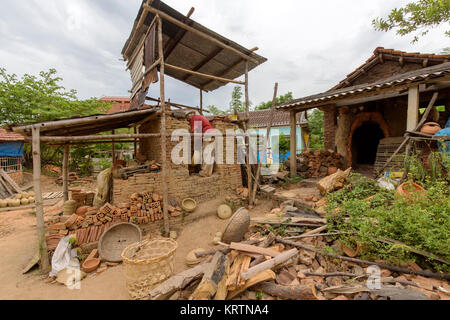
column 329, row 127
column 16, row 176
column 225, row 179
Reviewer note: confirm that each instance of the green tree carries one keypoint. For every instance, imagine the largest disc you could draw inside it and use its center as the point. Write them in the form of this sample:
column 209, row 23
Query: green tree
column 268, row 104
column 41, row 98
column 215, row 111
column 315, row 121
column 418, row 16
column 236, row 100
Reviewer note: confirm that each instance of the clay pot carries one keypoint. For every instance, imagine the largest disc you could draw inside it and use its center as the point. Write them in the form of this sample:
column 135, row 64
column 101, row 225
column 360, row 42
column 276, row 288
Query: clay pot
column 189, row 204
column 31, row 199
column 3, row 203
column 224, row 212
column 24, row 201
column 13, row 202
column 431, row 128
column 408, row 189
column 90, row 265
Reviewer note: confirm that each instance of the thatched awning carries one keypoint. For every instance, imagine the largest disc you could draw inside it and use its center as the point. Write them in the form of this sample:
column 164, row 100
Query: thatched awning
column 188, row 50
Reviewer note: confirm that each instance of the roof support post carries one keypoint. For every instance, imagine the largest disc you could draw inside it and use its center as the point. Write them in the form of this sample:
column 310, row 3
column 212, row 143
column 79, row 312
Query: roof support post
column 42, row 244
column 413, row 108
column 201, row 101
column 293, row 143
column 65, row 173
column 163, row 129
column 247, row 138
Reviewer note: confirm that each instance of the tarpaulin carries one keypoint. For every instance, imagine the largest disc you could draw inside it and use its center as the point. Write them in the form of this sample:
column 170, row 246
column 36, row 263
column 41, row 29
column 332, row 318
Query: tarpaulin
column 11, row 149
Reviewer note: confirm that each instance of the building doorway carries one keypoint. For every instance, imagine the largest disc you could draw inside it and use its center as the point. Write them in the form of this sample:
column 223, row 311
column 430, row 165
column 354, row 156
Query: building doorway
column 365, row 141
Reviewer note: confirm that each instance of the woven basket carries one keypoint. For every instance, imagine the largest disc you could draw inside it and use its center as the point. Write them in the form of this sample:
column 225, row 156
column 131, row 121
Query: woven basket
column 147, row 264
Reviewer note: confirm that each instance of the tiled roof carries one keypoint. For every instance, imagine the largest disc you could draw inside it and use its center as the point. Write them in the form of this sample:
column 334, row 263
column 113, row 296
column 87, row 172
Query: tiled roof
column 10, row 136
column 121, row 104
column 381, row 54
column 415, row 76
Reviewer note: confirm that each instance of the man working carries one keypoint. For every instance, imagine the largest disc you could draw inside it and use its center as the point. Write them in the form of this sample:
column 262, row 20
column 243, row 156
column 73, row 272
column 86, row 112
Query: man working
column 199, row 124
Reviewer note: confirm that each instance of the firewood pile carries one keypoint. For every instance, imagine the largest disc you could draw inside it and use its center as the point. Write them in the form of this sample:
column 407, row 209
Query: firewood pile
column 320, row 163
column 265, row 266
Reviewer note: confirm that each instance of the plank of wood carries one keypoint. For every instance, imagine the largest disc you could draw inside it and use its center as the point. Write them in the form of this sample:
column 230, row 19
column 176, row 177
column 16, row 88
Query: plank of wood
column 269, row 264
column 265, row 275
column 273, row 219
column 8, row 179
column 234, row 272
column 244, row 267
column 213, row 276
column 253, row 249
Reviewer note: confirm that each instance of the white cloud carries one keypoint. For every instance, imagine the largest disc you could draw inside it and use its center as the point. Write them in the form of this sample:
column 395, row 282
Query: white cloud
column 311, row 45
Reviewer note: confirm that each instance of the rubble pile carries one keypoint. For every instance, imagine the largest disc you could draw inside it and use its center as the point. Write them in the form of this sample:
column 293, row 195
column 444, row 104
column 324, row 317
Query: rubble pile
column 320, row 163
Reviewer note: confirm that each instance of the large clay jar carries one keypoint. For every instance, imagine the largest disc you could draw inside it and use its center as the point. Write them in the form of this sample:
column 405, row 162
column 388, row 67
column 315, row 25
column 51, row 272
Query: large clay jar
column 431, row 128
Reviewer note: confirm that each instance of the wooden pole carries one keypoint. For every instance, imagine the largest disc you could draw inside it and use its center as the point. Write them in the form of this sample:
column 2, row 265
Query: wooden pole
column 247, row 138
column 413, row 108
column 293, row 147
column 258, row 170
column 198, row 32
column 201, row 101
column 163, row 130
column 65, row 172
column 204, row 75
column 42, row 244
column 113, row 149
column 95, row 137
column 135, row 144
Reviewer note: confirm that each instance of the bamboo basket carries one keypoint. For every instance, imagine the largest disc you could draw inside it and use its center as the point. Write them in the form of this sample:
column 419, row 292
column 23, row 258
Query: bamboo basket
column 147, row 264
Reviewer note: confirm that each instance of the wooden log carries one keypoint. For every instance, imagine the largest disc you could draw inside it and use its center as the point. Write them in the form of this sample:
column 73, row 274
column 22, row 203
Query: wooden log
column 215, row 274
column 177, row 282
column 100, row 137
column 369, row 263
column 291, row 220
column 287, row 292
column 42, row 244
column 163, row 130
column 204, row 75
column 269, row 264
column 253, row 249
column 333, row 182
column 260, row 277
column 65, row 173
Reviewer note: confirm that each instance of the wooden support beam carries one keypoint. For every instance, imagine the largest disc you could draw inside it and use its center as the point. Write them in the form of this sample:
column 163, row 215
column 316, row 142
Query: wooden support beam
column 247, row 139
column 113, row 149
column 413, row 108
column 94, row 137
column 293, row 143
column 233, row 67
column 42, row 244
column 135, row 144
column 65, row 173
column 204, row 75
column 204, row 61
column 138, row 26
column 165, row 16
column 173, row 42
column 201, row 101
column 163, row 130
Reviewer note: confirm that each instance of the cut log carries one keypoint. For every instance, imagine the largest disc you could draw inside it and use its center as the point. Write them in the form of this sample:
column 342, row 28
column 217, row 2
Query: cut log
column 215, row 274
column 177, row 282
column 234, row 275
column 276, row 219
column 287, row 292
column 269, row 264
column 253, row 249
column 260, row 277
column 333, row 182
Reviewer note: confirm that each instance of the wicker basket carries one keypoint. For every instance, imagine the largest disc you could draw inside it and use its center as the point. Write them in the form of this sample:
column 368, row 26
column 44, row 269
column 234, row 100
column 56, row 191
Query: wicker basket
column 147, row 264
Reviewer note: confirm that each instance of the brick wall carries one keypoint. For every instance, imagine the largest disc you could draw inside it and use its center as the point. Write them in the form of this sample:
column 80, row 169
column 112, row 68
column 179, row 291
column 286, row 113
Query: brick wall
column 329, row 127
column 226, row 178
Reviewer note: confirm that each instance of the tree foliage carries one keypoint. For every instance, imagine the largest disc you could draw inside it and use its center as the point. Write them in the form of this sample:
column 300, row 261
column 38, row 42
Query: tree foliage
column 215, row 111
column 268, row 104
column 418, row 16
column 40, row 98
column 315, row 121
column 236, row 102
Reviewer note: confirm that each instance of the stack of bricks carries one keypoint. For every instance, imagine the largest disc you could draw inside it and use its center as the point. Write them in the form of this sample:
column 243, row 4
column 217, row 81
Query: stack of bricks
column 83, row 198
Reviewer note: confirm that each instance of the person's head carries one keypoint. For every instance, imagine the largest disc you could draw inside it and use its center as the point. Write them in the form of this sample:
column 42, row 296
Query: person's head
column 190, row 114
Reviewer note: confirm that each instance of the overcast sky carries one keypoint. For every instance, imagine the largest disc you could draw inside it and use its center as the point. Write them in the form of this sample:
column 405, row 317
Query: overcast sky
column 310, row 45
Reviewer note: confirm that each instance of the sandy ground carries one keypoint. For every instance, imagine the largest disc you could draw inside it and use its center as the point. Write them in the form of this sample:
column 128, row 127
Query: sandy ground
column 18, row 243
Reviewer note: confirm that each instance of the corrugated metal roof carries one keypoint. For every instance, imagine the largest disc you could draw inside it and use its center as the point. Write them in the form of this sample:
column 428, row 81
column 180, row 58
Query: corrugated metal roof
column 416, row 76
column 191, row 51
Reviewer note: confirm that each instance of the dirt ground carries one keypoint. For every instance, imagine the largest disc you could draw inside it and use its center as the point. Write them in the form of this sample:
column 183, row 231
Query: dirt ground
column 18, row 237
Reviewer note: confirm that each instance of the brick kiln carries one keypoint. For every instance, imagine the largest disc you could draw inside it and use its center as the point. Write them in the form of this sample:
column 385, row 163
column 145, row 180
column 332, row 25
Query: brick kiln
column 181, row 183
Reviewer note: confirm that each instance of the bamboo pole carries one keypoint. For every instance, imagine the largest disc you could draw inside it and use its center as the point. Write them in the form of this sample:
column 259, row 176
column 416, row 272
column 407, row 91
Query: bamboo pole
column 165, row 16
column 163, row 129
column 247, row 139
column 201, row 101
column 113, row 149
column 95, row 137
column 65, row 172
column 204, row 75
column 293, row 143
column 42, row 244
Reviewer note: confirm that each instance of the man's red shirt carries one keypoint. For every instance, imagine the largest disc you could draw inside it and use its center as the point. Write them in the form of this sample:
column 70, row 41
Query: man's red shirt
column 206, row 125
